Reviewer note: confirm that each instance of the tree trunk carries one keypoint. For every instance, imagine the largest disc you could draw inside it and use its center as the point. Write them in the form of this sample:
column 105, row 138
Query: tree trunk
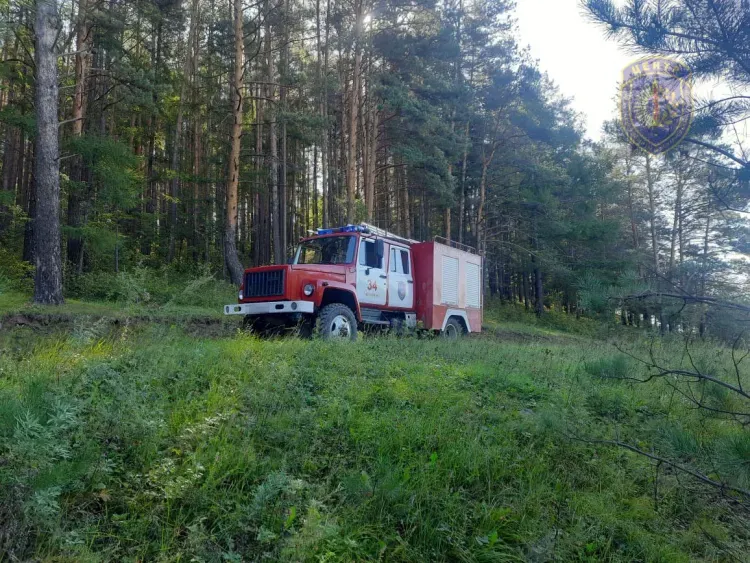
column 479, row 230
column 322, row 81
column 652, row 213
column 538, row 287
column 174, row 184
column 28, row 189
column 405, row 209
column 650, row 183
column 284, row 199
column 196, row 170
column 462, row 188
column 47, row 255
column 273, row 158
column 230, row 231
column 84, row 39
column 372, row 149
column 153, row 190
column 351, row 175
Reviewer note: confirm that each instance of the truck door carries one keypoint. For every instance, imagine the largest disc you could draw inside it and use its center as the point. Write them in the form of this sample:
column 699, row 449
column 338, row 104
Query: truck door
column 371, row 274
column 400, row 279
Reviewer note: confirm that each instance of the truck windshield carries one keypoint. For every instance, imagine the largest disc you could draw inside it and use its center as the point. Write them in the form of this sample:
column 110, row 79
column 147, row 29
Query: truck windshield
column 326, row 250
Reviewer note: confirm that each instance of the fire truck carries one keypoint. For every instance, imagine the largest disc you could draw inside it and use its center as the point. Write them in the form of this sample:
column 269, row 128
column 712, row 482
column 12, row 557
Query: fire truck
column 344, row 279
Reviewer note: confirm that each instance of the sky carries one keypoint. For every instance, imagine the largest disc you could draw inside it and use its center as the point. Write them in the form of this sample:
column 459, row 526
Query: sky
column 585, row 65
column 574, row 52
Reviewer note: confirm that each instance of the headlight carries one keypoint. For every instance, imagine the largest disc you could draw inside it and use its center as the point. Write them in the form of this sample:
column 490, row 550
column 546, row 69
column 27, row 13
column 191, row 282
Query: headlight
column 240, row 294
column 308, row 289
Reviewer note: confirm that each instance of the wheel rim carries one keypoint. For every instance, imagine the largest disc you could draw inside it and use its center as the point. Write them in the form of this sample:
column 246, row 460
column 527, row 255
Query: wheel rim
column 450, row 331
column 340, row 327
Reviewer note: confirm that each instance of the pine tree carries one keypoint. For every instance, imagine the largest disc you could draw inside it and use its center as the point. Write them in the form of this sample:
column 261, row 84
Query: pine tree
column 48, row 287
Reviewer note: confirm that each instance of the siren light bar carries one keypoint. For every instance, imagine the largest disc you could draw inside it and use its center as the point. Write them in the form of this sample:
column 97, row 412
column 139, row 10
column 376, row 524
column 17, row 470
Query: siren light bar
column 346, row 229
column 367, row 229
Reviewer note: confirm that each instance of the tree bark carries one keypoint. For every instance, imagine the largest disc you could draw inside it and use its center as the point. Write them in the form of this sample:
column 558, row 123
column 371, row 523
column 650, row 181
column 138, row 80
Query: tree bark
column 230, row 231
column 48, row 255
column 652, row 213
column 84, row 38
column 372, row 148
column 351, row 175
column 273, row 156
column 174, row 184
column 676, row 224
column 28, row 189
column 322, row 81
column 284, row 200
column 479, row 231
column 462, row 188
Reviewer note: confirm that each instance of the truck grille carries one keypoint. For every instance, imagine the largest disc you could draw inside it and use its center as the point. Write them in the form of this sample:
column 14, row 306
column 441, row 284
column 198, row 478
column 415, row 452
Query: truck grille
column 264, row 284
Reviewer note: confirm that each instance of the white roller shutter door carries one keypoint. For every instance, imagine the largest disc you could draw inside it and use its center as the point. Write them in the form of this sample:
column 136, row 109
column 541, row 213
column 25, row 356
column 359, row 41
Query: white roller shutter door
column 450, row 280
column 473, row 285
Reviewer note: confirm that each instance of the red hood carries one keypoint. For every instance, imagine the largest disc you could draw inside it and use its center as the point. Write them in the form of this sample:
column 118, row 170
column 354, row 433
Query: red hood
column 298, row 275
column 338, row 270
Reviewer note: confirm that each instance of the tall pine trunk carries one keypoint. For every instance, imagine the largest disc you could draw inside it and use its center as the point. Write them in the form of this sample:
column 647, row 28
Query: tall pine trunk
column 233, row 181
column 273, row 158
column 351, row 174
column 174, row 184
column 84, row 38
column 47, row 255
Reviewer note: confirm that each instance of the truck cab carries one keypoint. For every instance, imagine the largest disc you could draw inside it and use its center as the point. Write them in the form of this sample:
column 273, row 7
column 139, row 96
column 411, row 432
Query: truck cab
column 339, row 280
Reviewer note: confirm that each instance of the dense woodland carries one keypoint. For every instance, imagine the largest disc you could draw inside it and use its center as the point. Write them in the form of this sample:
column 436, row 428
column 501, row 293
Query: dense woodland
column 213, row 134
column 151, row 149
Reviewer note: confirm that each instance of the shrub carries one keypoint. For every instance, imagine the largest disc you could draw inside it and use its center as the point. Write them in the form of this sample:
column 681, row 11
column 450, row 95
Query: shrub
column 15, row 274
column 153, row 286
column 610, row 367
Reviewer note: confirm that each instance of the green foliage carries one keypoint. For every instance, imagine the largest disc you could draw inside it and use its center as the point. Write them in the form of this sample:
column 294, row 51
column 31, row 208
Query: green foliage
column 500, row 313
column 144, row 443
column 615, row 367
column 12, row 116
column 114, row 168
column 15, row 274
column 166, row 286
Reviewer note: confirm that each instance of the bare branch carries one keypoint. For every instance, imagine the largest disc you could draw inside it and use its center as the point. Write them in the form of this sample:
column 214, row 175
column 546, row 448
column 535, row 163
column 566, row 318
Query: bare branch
column 700, row 476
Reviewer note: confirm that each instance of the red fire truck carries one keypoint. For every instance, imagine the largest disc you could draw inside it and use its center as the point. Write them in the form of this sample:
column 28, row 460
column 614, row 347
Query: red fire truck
column 344, row 278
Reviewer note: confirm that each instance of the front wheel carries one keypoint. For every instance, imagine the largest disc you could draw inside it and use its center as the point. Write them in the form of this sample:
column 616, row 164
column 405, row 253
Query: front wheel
column 453, row 329
column 337, row 321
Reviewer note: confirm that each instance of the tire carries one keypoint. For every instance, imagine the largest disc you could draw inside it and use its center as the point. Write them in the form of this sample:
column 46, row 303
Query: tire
column 337, row 321
column 453, row 329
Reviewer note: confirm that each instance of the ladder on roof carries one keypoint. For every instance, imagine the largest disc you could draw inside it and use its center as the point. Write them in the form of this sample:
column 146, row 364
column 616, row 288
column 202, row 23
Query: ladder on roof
column 383, row 233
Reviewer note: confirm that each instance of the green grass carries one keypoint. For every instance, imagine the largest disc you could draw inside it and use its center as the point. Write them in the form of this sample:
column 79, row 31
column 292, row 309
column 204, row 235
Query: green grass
column 12, row 302
column 148, row 444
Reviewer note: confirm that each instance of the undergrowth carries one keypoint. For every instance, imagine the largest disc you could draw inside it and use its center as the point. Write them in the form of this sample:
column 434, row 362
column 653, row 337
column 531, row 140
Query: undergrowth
column 514, row 315
column 167, row 291
column 152, row 445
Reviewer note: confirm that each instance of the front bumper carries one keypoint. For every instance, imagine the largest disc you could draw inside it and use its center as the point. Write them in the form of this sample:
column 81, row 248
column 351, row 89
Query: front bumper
column 270, row 308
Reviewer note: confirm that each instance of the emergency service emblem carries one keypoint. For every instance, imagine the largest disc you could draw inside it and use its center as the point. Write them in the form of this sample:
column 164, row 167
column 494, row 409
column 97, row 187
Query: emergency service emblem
column 656, row 103
column 402, row 290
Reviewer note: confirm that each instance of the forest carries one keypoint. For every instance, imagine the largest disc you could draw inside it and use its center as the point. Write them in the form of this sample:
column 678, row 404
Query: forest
column 151, row 150
column 211, row 136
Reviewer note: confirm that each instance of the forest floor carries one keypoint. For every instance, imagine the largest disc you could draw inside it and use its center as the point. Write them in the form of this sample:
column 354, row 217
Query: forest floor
column 138, row 433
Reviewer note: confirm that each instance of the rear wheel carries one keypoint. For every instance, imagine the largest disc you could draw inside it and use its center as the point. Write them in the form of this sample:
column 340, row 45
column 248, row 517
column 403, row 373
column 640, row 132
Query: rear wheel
column 337, row 321
column 453, row 329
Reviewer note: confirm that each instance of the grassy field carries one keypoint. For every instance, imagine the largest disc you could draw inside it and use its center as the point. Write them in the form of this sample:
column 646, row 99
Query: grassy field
column 145, row 441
